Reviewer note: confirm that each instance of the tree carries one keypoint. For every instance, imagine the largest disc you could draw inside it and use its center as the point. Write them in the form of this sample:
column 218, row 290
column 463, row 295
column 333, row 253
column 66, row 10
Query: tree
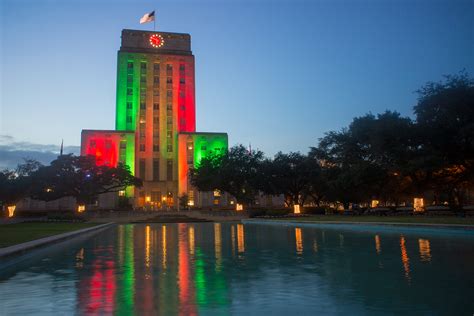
column 81, row 178
column 289, row 174
column 445, row 116
column 366, row 160
column 235, row 172
column 16, row 184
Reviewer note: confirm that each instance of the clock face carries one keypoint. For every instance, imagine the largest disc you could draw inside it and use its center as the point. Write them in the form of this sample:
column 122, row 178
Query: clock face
column 156, row 40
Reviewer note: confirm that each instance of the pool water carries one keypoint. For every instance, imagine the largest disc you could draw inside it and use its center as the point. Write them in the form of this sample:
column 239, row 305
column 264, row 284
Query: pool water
column 232, row 268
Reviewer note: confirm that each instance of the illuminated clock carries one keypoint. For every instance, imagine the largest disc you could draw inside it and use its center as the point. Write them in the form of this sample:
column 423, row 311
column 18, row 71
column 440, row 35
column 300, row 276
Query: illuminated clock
column 156, row 40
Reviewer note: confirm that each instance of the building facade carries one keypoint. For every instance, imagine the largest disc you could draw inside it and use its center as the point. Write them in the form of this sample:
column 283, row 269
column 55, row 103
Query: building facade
column 155, row 121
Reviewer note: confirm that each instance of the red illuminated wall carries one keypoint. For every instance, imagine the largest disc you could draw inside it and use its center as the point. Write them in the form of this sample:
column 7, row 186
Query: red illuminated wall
column 188, row 114
column 103, row 145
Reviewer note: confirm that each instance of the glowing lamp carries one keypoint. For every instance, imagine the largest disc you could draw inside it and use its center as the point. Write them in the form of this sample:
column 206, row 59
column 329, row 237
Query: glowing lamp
column 49, row 190
column 148, row 199
column 11, row 210
column 239, row 207
column 418, row 204
column 296, row 209
column 81, row 208
column 121, row 193
column 374, row 203
column 191, row 203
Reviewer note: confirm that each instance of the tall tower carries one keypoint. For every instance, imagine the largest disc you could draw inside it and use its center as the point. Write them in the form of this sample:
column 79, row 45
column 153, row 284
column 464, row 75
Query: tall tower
column 155, row 121
column 155, row 98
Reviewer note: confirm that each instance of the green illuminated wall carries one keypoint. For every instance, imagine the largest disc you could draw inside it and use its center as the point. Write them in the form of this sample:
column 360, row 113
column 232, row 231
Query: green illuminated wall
column 206, row 143
column 122, row 112
column 130, row 152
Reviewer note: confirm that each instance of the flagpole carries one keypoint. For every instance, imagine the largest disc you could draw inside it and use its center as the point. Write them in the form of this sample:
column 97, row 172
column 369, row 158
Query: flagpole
column 154, row 19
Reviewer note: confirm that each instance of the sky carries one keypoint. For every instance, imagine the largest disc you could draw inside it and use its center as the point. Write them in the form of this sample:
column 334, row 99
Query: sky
column 276, row 74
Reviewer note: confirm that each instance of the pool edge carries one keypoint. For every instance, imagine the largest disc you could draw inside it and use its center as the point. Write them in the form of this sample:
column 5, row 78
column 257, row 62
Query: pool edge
column 445, row 228
column 22, row 248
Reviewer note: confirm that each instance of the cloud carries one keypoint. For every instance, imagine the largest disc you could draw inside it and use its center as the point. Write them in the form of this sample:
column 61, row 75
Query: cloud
column 13, row 152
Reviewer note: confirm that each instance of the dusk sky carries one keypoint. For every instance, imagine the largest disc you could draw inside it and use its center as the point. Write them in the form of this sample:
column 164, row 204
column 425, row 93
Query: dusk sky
column 276, row 74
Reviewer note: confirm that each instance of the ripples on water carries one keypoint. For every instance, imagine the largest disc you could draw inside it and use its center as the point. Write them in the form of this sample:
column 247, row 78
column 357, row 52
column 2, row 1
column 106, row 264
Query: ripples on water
column 215, row 268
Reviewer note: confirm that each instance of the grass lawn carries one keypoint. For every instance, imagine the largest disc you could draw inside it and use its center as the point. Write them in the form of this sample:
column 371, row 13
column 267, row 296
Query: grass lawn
column 22, row 232
column 386, row 219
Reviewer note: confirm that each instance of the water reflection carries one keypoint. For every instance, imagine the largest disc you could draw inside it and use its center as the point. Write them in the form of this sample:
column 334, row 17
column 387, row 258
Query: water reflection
column 191, row 240
column 378, row 248
column 425, row 249
column 186, row 292
column 240, row 238
column 299, row 241
column 163, row 246
column 218, row 245
column 232, row 239
column 405, row 259
column 191, row 269
column 147, row 246
column 80, row 258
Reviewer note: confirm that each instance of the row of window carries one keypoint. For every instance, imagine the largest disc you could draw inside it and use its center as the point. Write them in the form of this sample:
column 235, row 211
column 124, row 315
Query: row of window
column 156, row 169
column 156, row 66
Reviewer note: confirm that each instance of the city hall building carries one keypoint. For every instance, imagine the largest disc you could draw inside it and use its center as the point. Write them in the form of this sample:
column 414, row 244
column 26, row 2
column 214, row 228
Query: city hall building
column 155, row 122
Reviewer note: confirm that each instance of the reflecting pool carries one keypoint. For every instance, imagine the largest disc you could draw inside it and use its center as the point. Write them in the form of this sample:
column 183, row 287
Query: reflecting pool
column 232, row 268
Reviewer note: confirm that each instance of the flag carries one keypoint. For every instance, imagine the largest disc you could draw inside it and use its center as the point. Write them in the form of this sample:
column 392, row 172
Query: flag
column 148, row 17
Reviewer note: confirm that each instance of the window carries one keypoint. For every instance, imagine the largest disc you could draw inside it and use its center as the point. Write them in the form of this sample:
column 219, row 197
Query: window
column 130, row 65
column 108, row 144
column 156, row 119
column 143, row 65
column 169, row 170
column 156, row 106
column 129, row 79
column 143, row 79
column 181, row 67
column 169, row 93
column 129, row 105
column 142, row 147
column 142, row 168
column 182, row 121
column 156, row 67
column 169, row 120
column 156, row 170
column 169, row 67
column 169, row 134
column 156, row 148
column 169, row 80
column 156, row 80
column 169, row 106
column 182, row 81
column 169, row 148
column 92, row 144
column 156, row 92
column 142, row 106
column 129, row 91
column 123, row 144
column 182, row 107
column 181, row 94
column 129, row 119
column 155, row 196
